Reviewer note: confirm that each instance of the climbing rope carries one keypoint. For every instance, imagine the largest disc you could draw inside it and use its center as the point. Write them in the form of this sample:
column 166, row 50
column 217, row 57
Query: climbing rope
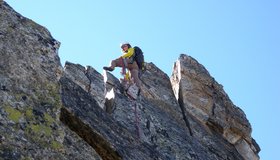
column 136, row 119
column 134, row 99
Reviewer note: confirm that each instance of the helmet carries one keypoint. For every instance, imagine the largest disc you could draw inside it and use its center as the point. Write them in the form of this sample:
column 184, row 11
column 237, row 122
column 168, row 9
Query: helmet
column 125, row 43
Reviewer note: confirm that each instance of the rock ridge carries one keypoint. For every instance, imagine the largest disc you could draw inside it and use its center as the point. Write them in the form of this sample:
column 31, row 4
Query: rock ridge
column 75, row 112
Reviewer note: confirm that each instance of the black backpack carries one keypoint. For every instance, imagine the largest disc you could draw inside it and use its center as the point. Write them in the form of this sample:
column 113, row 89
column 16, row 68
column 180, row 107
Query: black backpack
column 139, row 57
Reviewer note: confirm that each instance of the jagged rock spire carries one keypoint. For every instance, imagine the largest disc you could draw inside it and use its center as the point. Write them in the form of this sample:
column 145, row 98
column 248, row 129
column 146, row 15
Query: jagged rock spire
column 203, row 98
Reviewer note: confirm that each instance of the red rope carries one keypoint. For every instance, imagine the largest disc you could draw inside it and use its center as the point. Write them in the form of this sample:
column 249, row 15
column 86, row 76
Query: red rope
column 121, row 62
column 136, row 119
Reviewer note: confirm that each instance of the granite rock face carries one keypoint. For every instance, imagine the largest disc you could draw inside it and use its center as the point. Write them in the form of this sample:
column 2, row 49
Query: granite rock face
column 30, row 100
column 50, row 112
column 200, row 96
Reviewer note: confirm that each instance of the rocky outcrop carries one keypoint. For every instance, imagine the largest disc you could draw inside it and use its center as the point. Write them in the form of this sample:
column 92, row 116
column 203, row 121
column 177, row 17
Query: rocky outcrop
column 156, row 121
column 50, row 112
column 30, row 100
column 200, row 96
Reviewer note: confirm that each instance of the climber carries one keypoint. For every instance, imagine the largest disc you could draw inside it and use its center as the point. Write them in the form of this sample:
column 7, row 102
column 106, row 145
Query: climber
column 133, row 60
column 126, row 61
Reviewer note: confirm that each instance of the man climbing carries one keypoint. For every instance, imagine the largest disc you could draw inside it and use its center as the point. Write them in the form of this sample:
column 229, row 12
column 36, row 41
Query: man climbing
column 133, row 60
column 126, row 61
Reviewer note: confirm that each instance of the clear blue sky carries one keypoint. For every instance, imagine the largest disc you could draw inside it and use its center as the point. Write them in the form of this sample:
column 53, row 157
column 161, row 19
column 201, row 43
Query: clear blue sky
column 237, row 41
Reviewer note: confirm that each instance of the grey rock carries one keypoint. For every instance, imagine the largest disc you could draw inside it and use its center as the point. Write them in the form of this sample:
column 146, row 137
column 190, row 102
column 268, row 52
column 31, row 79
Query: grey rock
column 29, row 94
column 87, row 78
column 203, row 98
column 110, row 139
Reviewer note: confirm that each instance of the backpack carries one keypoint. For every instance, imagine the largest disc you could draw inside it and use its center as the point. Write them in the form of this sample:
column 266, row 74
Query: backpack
column 138, row 57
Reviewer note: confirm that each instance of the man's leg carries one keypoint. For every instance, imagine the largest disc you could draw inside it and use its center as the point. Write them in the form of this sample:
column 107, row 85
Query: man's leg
column 111, row 67
column 134, row 75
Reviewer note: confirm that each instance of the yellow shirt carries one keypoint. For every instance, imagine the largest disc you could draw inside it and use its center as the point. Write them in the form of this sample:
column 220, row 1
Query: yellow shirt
column 129, row 53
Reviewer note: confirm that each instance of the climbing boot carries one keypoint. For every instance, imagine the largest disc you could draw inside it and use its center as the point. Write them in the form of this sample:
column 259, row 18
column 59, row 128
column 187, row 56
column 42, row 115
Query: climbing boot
column 108, row 68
